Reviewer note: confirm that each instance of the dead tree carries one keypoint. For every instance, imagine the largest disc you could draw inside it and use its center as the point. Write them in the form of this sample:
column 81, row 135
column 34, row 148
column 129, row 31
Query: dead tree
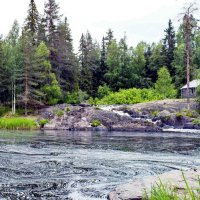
column 189, row 24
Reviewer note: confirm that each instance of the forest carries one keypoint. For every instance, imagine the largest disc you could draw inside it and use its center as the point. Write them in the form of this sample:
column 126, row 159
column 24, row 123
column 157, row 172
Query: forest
column 39, row 66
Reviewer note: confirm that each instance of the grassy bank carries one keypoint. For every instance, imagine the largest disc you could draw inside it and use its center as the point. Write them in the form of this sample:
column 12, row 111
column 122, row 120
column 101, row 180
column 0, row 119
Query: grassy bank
column 169, row 192
column 17, row 123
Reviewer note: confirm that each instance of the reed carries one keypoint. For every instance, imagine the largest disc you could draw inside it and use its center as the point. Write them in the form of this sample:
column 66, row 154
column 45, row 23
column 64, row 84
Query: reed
column 17, row 123
column 166, row 192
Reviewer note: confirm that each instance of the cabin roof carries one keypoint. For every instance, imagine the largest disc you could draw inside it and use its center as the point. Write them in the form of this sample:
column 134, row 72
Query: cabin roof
column 193, row 84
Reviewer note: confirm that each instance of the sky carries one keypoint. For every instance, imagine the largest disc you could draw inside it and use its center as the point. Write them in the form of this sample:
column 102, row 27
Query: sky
column 140, row 20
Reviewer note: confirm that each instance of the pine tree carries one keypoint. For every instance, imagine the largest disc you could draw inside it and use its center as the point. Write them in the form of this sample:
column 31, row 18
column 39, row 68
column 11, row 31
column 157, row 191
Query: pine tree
column 89, row 55
column 103, row 68
column 169, row 45
column 52, row 18
column 31, row 75
column 32, row 20
column 109, row 37
column 41, row 35
column 68, row 65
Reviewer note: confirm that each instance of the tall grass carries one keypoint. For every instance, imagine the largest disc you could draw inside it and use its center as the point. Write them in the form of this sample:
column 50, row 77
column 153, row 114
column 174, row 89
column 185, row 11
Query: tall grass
column 166, row 192
column 17, row 124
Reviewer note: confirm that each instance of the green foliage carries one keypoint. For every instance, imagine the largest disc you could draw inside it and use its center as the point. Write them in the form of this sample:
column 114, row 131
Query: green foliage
column 4, row 110
column 42, row 122
column 179, row 115
column 76, row 97
column 17, row 124
column 93, row 101
column 95, row 123
column 52, row 91
column 164, row 85
column 196, row 121
column 188, row 113
column 154, row 113
column 103, row 91
column 167, row 192
column 160, row 191
column 67, row 109
column 130, row 96
column 60, row 113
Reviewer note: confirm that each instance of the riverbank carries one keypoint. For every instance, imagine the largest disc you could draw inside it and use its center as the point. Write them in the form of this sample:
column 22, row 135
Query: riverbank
column 18, row 123
column 173, row 179
column 147, row 117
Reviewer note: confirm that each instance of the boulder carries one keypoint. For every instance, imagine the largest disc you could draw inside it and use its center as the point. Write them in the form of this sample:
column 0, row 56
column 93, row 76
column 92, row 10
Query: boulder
column 81, row 117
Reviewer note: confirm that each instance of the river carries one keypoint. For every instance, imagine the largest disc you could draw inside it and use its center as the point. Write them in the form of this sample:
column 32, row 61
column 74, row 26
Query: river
column 87, row 165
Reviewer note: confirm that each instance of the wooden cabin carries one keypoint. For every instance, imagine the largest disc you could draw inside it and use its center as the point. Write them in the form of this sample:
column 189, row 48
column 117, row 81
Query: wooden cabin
column 192, row 89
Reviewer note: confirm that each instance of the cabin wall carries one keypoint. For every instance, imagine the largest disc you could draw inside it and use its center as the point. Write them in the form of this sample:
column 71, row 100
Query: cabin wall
column 192, row 93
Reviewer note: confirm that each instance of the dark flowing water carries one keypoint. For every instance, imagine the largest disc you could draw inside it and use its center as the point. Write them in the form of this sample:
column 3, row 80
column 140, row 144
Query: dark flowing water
column 86, row 165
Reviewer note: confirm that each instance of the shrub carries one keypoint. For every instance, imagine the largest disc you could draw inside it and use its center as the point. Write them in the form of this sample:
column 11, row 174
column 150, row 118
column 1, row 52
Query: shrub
column 4, row 110
column 130, row 96
column 103, row 91
column 154, row 113
column 95, row 123
column 67, row 109
column 179, row 115
column 52, row 91
column 196, row 121
column 42, row 122
column 17, row 124
column 76, row 97
column 60, row 113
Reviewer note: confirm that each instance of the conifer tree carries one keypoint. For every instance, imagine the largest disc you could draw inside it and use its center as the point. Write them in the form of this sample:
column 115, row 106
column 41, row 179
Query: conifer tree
column 169, row 44
column 31, row 75
column 32, row 20
column 103, row 68
column 89, row 56
column 41, row 35
column 52, row 18
column 68, row 65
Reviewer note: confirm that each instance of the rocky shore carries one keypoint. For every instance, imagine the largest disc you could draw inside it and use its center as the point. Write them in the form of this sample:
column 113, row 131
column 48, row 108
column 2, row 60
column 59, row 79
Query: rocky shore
column 146, row 117
column 136, row 189
column 83, row 118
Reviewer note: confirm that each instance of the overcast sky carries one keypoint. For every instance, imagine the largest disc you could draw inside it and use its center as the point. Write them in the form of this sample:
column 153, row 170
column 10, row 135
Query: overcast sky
column 140, row 19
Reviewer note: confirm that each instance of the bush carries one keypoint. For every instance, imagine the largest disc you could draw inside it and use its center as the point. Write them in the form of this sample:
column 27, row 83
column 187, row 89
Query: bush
column 67, row 109
column 130, row 96
column 76, row 97
column 42, row 122
column 188, row 113
column 196, row 121
column 95, row 123
column 103, row 91
column 60, row 113
column 154, row 113
column 17, row 124
column 52, row 91
column 179, row 115
column 4, row 110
